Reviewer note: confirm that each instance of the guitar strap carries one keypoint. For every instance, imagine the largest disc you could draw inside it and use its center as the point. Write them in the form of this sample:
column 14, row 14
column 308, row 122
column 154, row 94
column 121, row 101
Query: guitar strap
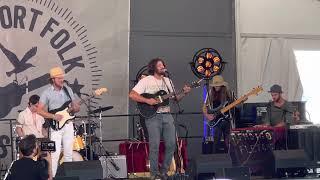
column 166, row 84
column 67, row 92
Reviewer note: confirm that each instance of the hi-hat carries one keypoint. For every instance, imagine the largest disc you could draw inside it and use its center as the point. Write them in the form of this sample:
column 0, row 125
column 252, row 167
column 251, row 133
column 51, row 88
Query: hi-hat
column 13, row 122
column 101, row 109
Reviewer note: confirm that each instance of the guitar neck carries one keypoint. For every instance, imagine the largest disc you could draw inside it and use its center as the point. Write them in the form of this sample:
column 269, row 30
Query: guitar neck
column 171, row 95
column 234, row 103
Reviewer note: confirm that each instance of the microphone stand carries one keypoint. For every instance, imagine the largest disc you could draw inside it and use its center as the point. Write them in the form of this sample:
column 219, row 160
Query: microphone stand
column 116, row 167
column 88, row 105
column 180, row 111
column 209, row 111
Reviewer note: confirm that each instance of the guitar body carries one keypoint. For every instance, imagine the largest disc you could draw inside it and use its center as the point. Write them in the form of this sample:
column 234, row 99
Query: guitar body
column 148, row 111
column 219, row 117
column 63, row 110
column 221, row 111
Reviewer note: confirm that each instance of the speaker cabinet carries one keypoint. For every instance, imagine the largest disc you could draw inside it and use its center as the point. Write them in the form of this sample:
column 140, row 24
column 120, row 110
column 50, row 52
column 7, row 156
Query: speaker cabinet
column 85, row 170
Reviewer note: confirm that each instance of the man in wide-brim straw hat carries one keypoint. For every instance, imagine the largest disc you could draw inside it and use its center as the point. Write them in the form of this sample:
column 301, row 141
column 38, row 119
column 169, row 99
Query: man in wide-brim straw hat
column 218, row 94
column 52, row 98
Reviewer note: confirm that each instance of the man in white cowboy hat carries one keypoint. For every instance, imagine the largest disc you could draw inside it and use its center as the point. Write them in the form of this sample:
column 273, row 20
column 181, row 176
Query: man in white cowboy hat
column 218, row 95
column 53, row 98
column 279, row 111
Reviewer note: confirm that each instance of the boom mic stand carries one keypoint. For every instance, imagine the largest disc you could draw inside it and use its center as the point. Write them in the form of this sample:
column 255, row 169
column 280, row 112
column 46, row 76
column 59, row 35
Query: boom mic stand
column 89, row 134
column 180, row 111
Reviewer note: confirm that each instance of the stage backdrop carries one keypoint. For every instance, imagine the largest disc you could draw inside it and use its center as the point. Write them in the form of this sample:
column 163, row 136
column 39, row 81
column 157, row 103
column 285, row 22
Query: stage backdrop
column 88, row 39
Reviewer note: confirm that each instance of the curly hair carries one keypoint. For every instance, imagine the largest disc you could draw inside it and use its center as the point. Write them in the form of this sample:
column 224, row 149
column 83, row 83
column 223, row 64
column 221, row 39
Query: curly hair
column 152, row 65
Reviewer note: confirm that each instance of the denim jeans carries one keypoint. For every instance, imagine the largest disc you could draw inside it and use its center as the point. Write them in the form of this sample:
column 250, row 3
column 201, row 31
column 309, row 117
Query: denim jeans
column 161, row 124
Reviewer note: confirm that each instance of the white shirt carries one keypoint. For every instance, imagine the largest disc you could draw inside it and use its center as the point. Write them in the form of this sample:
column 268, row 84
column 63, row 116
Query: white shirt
column 151, row 85
column 31, row 123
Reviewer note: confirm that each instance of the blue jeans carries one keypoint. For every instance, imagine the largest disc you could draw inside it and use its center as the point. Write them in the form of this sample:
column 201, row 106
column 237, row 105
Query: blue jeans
column 161, row 124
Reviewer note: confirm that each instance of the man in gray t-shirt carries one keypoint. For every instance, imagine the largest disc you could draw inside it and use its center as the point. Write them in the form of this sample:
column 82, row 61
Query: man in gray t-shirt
column 279, row 111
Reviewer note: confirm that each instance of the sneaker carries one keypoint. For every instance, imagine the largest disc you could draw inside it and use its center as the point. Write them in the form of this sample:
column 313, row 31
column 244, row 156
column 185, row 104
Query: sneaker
column 156, row 177
column 164, row 176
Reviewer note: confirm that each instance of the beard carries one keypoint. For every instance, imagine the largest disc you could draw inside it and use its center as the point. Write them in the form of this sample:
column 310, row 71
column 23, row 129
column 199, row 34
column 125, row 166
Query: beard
column 277, row 100
column 160, row 72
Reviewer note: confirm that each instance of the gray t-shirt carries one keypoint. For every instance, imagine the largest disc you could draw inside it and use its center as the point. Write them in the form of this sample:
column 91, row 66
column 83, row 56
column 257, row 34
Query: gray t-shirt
column 276, row 115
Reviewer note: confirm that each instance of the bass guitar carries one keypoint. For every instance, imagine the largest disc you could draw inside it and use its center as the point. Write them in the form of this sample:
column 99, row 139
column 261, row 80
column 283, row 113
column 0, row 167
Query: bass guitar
column 64, row 110
column 222, row 109
column 148, row 111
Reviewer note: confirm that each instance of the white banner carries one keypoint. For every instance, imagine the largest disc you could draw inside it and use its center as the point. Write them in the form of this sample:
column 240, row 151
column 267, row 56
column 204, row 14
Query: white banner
column 89, row 39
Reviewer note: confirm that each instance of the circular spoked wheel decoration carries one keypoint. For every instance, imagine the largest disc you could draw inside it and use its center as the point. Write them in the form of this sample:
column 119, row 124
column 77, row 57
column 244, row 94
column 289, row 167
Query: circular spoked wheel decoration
column 143, row 72
column 207, row 63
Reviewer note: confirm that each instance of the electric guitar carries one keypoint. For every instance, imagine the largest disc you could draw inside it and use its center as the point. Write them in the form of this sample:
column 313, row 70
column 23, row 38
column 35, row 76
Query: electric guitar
column 219, row 111
column 148, row 111
column 64, row 110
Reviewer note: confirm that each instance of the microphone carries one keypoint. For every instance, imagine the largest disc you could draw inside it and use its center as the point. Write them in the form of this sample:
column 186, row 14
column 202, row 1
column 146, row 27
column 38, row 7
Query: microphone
column 165, row 71
column 27, row 85
column 84, row 94
column 116, row 167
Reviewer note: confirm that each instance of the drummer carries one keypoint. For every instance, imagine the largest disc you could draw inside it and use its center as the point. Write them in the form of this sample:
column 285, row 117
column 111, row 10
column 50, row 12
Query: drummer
column 29, row 122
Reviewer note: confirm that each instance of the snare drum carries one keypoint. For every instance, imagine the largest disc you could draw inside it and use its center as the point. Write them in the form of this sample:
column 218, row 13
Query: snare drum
column 78, row 143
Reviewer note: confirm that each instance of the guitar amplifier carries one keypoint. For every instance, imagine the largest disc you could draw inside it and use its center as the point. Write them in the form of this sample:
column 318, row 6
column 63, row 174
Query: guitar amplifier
column 114, row 166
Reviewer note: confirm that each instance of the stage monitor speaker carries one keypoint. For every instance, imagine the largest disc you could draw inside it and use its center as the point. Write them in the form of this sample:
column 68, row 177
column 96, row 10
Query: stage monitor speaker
column 85, row 170
column 238, row 173
column 210, row 163
column 217, row 166
column 114, row 166
column 66, row 178
column 291, row 159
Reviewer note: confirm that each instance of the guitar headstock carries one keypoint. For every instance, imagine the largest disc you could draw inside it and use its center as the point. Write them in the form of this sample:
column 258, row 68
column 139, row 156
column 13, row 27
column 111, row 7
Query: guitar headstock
column 196, row 84
column 255, row 91
column 100, row 91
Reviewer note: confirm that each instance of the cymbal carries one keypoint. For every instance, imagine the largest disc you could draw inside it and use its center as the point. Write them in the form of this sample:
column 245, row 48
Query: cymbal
column 101, row 109
column 13, row 123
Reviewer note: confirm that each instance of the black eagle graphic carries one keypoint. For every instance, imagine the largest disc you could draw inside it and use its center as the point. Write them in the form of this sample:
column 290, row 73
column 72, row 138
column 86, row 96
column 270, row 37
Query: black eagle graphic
column 19, row 66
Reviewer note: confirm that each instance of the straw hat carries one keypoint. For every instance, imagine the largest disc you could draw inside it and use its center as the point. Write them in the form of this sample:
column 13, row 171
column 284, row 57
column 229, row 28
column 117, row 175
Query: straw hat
column 218, row 81
column 56, row 72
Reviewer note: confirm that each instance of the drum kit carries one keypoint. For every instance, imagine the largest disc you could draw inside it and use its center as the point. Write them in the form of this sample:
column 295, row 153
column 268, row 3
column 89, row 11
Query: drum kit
column 86, row 145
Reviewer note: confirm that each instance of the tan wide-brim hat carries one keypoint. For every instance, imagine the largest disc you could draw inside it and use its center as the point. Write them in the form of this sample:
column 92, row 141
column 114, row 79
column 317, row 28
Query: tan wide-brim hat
column 217, row 81
column 56, row 72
